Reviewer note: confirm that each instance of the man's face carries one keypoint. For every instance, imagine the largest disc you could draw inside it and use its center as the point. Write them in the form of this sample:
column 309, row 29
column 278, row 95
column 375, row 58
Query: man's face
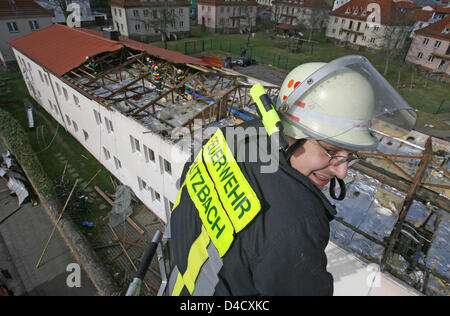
column 311, row 160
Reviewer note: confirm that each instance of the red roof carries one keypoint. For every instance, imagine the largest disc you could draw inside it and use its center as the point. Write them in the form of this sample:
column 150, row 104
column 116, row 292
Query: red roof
column 390, row 13
column 22, row 9
column 407, row 4
column 436, row 29
column 284, row 26
column 420, row 15
column 60, row 48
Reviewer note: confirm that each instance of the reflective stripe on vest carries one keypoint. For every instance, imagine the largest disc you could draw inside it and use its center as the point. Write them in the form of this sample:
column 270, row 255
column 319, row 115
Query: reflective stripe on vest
column 236, row 194
column 205, row 198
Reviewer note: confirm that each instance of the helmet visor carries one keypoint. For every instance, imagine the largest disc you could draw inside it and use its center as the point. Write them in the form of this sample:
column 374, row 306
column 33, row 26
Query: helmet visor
column 385, row 110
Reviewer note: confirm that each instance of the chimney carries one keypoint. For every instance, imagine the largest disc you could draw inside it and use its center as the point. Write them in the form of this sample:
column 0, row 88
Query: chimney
column 111, row 34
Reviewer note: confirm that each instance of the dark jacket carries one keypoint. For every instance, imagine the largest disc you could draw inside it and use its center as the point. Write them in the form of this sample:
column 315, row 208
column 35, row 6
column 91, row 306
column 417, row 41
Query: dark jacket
column 281, row 252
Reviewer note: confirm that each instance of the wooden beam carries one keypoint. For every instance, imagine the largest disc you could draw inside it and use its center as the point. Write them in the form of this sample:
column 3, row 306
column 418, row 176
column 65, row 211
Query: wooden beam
column 128, row 62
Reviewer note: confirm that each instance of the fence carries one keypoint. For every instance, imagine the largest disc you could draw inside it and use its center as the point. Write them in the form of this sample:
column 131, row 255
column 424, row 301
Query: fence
column 260, row 55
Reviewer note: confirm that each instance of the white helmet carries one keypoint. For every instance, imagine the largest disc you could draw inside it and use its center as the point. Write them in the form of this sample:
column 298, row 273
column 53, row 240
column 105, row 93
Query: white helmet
column 338, row 102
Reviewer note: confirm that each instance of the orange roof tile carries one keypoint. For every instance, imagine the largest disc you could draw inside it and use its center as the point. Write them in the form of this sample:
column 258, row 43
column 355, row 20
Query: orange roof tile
column 61, row 48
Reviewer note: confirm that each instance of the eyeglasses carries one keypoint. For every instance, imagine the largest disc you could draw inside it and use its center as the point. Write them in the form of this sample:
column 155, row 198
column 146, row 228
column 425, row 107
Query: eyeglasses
column 337, row 160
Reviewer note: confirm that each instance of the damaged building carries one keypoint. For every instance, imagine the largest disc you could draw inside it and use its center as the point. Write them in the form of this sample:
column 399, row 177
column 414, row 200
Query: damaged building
column 103, row 92
column 102, row 89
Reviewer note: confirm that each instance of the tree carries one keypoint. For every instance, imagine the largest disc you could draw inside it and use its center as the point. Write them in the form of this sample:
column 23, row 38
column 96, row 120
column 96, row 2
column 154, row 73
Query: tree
column 317, row 17
column 162, row 20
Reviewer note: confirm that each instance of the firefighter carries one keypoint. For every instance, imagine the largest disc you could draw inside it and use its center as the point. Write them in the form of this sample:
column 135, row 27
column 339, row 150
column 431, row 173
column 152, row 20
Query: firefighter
column 150, row 64
column 235, row 230
column 157, row 79
column 92, row 64
column 179, row 77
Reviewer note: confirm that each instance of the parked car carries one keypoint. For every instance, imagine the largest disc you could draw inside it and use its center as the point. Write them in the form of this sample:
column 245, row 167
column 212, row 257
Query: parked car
column 244, row 61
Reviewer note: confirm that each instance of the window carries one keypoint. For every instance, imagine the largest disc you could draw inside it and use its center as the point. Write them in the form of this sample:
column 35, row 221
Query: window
column 58, row 88
column 376, row 28
column 425, row 41
column 364, row 38
column 12, row 26
column 109, row 126
column 86, row 135
column 46, row 80
column 117, row 163
column 167, row 167
column 143, row 185
column 66, row 95
column 107, row 154
column 145, row 12
column 157, row 196
column 98, row 118
column 420, row 55
column 68, row 120
column 137, row 27
column 431, row 58
column 437, row 44
column 75, row 126
column 40, row 75
column 75, row 99
column 134, row 144
column 33, row 25
column 135, row 12
column 149, row 154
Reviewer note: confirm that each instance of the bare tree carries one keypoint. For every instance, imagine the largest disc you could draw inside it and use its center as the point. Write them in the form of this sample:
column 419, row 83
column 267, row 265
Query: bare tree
column 161, row 20
column 391, row 39
column 316, row 17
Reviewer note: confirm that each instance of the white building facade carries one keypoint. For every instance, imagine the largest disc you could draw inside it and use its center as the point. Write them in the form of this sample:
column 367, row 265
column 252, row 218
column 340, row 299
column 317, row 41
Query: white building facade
column 144, row 161
column 140, row 20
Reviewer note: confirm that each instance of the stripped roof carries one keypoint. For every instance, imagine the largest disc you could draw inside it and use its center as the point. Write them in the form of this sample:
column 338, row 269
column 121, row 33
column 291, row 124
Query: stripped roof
column 72, row 45
column 22, row 9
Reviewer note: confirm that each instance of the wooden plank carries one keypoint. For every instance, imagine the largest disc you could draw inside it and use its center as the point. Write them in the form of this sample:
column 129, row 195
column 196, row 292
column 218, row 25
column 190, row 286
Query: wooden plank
column 428, row 156
column 423, row 194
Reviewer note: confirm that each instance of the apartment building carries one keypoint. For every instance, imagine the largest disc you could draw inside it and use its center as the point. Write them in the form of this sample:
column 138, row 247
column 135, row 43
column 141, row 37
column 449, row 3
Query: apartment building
column 227, row 15
column 375, row 25
column 301, row 12
column 431, row 47
column 147, row 20
column 18, row 18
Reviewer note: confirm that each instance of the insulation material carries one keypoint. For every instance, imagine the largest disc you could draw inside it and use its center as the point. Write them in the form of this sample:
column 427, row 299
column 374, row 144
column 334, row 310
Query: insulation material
column 18, row 188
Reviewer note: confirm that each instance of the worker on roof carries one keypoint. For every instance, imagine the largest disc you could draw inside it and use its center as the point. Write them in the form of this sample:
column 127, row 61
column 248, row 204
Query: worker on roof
column 179, row 77
column 241, row 227
column 157, row 79
column 92, row 64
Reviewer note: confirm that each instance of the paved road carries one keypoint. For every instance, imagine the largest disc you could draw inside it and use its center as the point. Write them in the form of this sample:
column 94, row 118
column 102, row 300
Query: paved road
column 23, row 236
